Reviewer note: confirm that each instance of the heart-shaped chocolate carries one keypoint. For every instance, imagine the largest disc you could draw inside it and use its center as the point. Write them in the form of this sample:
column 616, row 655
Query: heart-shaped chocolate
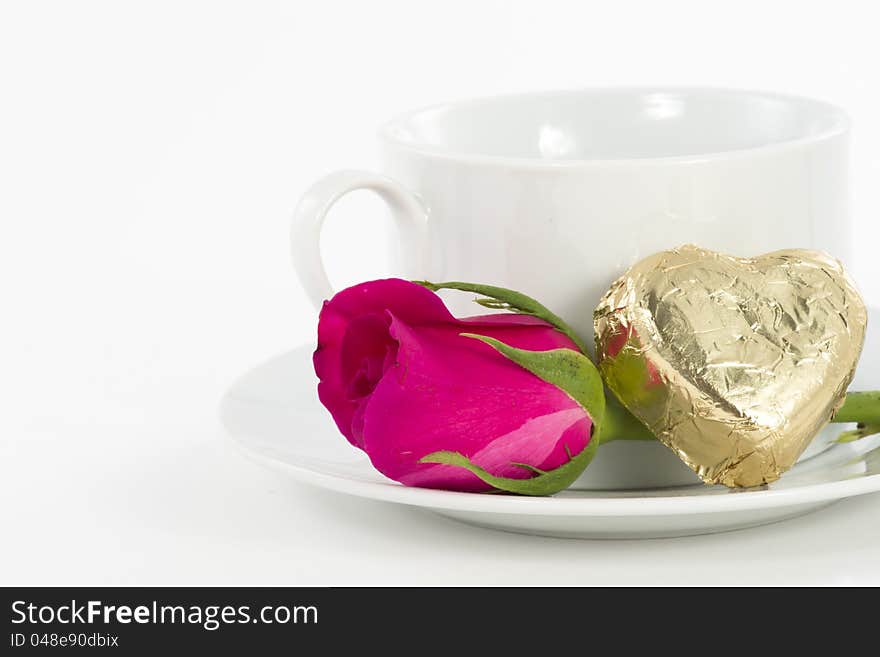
column 733, row 363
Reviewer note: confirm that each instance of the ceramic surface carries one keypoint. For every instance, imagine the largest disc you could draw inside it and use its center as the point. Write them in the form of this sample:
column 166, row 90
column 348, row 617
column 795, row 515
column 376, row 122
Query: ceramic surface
column 274, row 416
column 555, row 194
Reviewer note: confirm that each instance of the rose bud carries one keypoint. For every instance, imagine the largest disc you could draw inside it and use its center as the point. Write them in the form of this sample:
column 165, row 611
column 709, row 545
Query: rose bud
column 496, row 402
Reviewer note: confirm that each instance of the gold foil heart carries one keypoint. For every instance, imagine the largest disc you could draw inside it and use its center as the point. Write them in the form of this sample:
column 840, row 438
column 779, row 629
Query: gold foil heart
column 734, row 363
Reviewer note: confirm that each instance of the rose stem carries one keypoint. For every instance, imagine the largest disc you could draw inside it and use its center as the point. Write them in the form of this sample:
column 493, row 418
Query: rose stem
column 861, row 407
column 619, row 424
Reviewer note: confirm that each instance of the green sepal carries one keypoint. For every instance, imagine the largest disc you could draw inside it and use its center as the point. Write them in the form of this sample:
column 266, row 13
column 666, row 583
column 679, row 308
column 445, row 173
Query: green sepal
column 574, row 374
column 548, row 483
column 500, row 298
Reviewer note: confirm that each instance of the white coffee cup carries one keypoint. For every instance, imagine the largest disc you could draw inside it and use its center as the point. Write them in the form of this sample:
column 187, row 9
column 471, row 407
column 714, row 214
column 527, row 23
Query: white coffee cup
column 555, row 194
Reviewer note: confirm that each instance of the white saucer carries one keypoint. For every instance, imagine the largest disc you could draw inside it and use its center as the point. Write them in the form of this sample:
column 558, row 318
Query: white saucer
column 274, row 415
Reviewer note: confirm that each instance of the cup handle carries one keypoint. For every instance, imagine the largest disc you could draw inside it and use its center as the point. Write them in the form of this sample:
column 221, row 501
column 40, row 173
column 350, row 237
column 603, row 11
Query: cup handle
column 408, row 212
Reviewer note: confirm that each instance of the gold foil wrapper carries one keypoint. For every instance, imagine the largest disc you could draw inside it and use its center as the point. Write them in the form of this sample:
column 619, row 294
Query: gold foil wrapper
column 733, row 363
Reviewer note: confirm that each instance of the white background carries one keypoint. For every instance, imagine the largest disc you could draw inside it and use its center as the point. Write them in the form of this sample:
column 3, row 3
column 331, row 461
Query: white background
column 150, row 156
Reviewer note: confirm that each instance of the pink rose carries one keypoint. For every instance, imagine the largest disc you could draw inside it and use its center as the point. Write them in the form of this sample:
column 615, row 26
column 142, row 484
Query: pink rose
column 402, row 383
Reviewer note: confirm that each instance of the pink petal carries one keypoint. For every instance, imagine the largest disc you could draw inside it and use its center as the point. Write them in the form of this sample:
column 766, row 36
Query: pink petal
column 449, row 392
column 533, row 442
column 408, row 300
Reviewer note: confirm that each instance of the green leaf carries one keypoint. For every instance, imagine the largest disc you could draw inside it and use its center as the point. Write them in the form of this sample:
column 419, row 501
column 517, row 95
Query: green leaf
column 500, row 298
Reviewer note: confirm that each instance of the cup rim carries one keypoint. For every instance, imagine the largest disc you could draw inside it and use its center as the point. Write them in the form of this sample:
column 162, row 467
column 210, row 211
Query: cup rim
column 839, row 124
